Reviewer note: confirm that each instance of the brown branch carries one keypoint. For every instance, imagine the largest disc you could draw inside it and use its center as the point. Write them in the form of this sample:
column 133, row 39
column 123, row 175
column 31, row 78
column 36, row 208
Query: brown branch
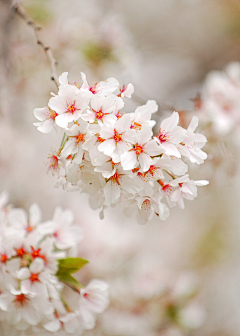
column 53, row 62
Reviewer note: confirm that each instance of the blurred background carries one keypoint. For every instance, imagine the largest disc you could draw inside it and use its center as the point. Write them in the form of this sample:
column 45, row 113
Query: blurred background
column 172, row 278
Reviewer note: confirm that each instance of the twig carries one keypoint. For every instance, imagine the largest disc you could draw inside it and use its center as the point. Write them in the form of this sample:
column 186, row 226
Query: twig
column 53, row 62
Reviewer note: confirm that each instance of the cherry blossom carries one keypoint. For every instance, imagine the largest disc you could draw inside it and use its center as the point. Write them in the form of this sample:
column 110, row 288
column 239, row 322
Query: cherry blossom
column 35, row 266
column 112, row 154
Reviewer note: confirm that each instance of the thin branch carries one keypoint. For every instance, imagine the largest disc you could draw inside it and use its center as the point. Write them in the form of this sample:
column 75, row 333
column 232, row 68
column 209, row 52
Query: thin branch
column 53, row 62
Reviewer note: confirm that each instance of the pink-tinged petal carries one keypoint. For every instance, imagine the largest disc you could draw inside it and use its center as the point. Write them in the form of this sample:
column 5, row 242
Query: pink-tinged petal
column 163, row 211
column 69, row 148
column 41, row 113
column 152, row 105
column 152, row 148
column 18, row 218
column 82, row 100
column 129, row 160
column 109, row 103
column 35, row 214
column 201, row 183
column 107, row 87
column 128, row 91
column 5, row 301
column 171, row 150
column 143, row 113
column 145, row 162
column 31, row 316
column 46, row 126
column 37, row 265
column 193, row 124
column 123, row 124
column 111, row 193
column 23, row 273
column 170, row 123
column 62, row 120
column 90, row 116
column 76, row 115
column 186, row 189
column 26, row 286
column 68, row 93
column 122, row 147
column 108, row 129
column 96, row 102
column 107, row 147
column 78, row 157
column 144, row 135
column 63, row 78
column 84, row 80
column 58, row 104
column 74, row 130
column 129, row 136
column 130, row 185
column 71, row 326
column 89, row 318
column 119, row 104
column 178, row 135
column 52, row 326
column 176, row 195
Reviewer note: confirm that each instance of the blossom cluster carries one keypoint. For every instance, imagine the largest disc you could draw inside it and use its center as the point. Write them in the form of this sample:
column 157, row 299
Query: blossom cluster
column 36, row 267
column 220, row 100
column 114, row 156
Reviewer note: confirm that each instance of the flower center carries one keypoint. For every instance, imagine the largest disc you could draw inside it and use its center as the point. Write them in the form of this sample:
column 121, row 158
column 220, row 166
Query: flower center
column 136, row 126
column 20, row 300
column 163, row 137
column 34, row 278
column 117, row 136
column 93, row 88
column 116, row 178
column 52, row 114
column 138, row 149
column 20, row 252
column 3, row 258
column 71, row 108
column 167, row 189
column 29, row 228
column 99, row 139
column 79, row 138
column 36, row 254
column 146, row 204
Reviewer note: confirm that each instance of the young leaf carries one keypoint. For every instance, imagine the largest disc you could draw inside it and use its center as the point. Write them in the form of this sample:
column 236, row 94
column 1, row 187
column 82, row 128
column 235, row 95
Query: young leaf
column 68, row 279
column 72, row 263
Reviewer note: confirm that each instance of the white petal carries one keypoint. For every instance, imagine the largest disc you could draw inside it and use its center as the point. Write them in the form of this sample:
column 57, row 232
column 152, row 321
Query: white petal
column 129, row 160
column 63, row 78
column 52, row 326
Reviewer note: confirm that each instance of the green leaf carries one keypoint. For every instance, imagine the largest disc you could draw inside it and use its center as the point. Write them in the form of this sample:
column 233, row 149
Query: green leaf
column 66, row 270
column 74, row 264
column 68, row 279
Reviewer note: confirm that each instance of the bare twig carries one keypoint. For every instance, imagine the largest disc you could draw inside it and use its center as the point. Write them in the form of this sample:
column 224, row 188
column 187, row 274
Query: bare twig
column 23, row 14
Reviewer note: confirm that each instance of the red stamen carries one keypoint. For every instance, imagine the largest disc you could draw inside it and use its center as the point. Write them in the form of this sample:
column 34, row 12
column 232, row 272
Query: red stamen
column 4, row 258
column 117, row 136
column 71, row 108
column 116, row 178
column 34, row 278
column 79, row 138
column 36, row 254
column 20, row 300
column 20, row 252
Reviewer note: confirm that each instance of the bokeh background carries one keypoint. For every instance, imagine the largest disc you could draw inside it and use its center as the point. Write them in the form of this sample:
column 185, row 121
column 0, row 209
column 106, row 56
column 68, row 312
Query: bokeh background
column 173, row 278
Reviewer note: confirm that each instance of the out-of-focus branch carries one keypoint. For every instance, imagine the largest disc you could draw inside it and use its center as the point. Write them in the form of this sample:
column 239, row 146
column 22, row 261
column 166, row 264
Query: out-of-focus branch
column 53, row 62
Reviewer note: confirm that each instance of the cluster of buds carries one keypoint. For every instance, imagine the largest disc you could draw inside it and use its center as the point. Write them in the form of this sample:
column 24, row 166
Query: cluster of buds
column 114, row 156
column 35, row 268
